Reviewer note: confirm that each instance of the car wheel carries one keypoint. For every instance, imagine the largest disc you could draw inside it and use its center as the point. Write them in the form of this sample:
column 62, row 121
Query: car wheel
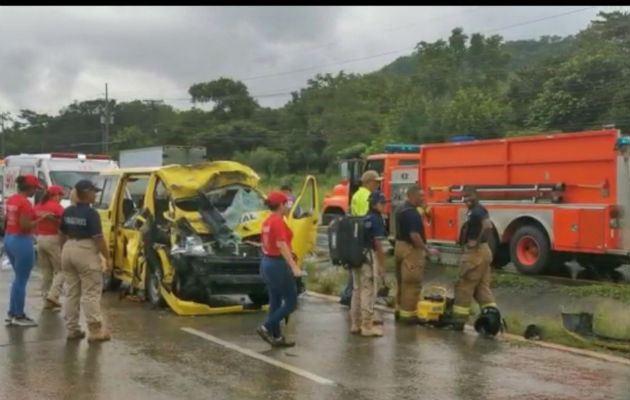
column 110, row 282
column 153, row 284
column 259, row 298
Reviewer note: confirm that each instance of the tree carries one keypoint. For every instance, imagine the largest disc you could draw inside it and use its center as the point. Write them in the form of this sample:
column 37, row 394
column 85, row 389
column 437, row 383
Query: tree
column 263, row 159
column 231, row 98
column 131, row 137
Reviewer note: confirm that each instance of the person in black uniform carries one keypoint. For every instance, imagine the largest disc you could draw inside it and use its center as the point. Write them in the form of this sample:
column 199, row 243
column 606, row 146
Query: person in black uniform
column 80, row 259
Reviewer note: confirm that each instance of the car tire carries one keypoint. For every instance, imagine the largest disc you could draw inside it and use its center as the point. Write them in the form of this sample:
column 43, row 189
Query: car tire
column 110, row 282
column 530, row 250
column 259, row 298
column 153, row 282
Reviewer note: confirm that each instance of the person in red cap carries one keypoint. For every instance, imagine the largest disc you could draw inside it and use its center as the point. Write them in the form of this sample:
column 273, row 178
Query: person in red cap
column 18, row 243
column 49, row 246
column 278, row 270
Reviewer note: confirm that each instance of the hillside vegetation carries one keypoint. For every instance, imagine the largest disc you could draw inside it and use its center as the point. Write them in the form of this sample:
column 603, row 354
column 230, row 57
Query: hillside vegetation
column 468, row 84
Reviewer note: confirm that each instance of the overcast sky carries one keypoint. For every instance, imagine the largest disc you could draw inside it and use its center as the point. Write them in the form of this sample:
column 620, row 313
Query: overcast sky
column 50, row 56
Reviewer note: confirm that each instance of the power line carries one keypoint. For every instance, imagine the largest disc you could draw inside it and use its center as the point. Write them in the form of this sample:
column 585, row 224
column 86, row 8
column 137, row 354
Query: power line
column 383, row 54
column 400, row 27
column 539, row 19
column 528, row 22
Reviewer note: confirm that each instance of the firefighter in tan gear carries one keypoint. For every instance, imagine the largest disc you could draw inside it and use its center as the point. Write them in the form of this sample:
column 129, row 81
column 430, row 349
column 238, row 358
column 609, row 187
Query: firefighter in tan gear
column 81, row 263
column 474, row 274
column 410, row 253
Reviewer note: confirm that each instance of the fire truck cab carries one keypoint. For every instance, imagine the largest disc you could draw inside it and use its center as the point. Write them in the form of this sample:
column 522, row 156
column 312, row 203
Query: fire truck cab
column 398, row 165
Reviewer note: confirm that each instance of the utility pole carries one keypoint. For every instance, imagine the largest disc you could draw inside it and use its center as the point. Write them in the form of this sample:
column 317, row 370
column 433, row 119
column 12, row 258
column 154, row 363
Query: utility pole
column 3, row 117
column 106, row 144
column 106, row 120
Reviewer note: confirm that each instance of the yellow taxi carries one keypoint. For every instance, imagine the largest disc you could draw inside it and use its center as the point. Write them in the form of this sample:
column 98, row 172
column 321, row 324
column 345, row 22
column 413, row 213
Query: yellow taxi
column 187, row 236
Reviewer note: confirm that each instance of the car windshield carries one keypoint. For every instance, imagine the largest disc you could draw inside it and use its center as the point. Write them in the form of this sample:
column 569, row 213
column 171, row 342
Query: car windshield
column 237, row 203
column 67, row 179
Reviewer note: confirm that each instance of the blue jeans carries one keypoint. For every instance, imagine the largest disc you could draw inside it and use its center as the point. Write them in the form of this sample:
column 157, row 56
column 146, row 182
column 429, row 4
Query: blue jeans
column 21, row 253
column 282, row 292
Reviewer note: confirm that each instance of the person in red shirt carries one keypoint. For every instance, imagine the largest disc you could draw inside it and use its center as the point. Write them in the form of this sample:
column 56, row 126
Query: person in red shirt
column 18, row 243
column 49, row 247
column 278, row 270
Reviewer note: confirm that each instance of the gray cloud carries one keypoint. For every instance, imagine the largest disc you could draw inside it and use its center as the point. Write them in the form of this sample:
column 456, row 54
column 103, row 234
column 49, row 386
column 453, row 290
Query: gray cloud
column 52, row 55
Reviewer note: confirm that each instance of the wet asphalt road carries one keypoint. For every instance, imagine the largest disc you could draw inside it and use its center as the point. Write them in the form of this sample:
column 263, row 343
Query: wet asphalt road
column 151, row 357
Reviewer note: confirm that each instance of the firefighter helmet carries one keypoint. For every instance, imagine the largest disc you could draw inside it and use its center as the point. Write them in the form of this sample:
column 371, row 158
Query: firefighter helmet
column 489, row 321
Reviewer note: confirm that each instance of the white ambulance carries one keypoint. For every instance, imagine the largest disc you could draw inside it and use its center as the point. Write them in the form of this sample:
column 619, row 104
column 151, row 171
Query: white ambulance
column 63, row 169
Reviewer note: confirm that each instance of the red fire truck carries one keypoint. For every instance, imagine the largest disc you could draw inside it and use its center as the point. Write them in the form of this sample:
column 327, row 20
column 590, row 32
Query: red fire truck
column 551, row 197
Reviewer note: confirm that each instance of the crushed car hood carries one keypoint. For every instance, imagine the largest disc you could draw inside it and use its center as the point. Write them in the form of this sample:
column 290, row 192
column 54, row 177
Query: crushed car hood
column 185, row 181
column 188, row 181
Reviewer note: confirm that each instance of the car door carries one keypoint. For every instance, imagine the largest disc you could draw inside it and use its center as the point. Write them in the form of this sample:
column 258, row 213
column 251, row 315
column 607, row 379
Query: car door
column 128, row 238
column 303, row 219
column 105, row 205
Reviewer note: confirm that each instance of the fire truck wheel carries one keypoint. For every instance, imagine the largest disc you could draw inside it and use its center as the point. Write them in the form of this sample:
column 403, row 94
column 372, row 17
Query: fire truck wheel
column 530, row 250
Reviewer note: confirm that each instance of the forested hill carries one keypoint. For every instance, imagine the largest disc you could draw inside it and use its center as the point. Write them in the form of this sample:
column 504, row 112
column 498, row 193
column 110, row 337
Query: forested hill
column 467, row 84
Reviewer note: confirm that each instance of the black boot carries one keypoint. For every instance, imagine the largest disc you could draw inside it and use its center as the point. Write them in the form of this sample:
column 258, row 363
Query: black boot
column 453, row 322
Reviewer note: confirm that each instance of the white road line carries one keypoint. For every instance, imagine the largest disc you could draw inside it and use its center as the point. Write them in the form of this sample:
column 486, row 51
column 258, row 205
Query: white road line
column 261, row 357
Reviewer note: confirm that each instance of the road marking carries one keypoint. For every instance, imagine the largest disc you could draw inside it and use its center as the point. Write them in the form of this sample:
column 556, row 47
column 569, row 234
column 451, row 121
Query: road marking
column 261, row 357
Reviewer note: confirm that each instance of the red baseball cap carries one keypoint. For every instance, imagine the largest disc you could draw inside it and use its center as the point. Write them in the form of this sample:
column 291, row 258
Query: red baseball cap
column 32, row 181
column 276, row 198
column 55, row 190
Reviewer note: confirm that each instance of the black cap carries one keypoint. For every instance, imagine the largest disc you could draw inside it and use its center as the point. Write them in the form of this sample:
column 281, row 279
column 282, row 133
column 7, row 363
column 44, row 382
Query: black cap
column 85, row 185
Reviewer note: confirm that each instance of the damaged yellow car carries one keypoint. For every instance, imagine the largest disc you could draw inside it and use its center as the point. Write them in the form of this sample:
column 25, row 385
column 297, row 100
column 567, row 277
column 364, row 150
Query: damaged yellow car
column 188, row 236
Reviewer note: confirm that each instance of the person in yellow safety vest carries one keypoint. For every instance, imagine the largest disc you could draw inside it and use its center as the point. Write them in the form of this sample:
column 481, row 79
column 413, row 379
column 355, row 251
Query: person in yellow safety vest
column 359, row 206
column 410, row 254
column 474, row 273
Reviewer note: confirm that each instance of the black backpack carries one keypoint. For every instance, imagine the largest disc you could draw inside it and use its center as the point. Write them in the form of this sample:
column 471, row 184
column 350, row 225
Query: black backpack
column 346, row 241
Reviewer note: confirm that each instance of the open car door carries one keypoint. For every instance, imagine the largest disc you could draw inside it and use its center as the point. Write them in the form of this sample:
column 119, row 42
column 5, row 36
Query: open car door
column 304, row 218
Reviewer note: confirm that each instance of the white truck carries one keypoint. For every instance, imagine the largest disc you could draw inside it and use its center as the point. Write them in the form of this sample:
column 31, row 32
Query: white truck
column 158, row 156
column 63, row 169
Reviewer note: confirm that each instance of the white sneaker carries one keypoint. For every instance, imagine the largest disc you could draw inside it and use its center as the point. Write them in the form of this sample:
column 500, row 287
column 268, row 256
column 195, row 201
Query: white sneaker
column 23, row 321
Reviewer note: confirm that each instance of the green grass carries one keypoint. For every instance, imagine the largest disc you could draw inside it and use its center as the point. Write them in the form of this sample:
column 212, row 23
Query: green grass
column 515, row 281
column 611, row 320
column 551, row 330
column 325, row 280
column 615, row 292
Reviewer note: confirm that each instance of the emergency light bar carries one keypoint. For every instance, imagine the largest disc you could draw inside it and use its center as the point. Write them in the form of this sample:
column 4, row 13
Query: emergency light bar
column 64, row 155
column 458, row 139
column 622, row 142
column 81, row 156
column 402, row 148
column 98, row 157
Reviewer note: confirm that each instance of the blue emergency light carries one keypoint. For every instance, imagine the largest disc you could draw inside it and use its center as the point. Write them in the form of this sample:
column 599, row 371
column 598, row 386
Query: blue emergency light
column 456, row 139
column 622, row 142
column 402, row 148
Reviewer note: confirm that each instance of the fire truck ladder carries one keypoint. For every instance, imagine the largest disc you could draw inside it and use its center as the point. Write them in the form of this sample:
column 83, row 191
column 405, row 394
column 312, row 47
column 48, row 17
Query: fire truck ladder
column 541, row 193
